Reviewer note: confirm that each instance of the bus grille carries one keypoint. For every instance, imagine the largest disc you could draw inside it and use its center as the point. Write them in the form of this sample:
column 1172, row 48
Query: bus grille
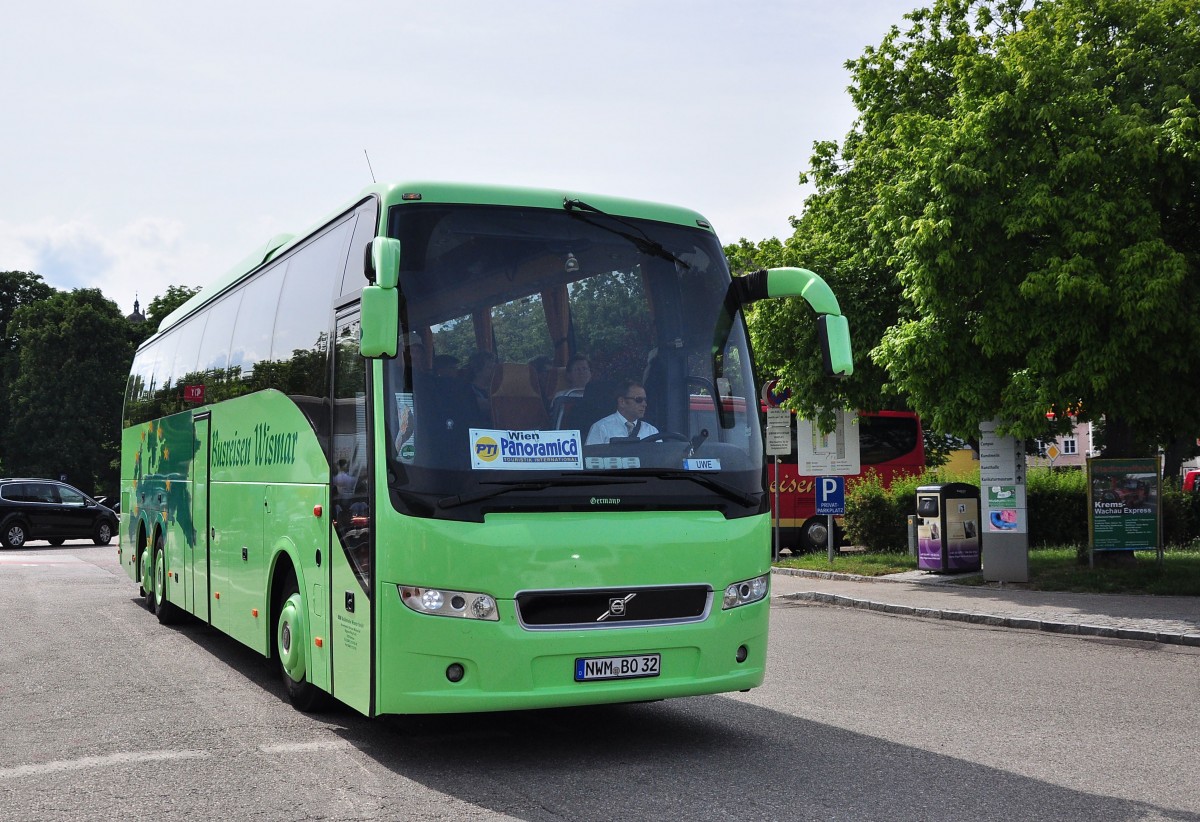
column 613, row 607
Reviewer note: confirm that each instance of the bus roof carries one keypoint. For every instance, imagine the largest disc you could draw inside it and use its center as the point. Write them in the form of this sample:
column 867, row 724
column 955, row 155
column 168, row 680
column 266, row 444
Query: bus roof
column 424, row 191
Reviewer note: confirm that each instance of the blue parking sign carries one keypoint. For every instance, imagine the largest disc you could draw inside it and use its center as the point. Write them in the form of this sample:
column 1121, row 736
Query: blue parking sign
column 831, row 495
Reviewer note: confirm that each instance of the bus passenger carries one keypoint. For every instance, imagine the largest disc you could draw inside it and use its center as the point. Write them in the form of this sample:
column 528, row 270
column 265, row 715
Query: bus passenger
column 479, row 372
column 579, row 374
column 627, row 421
column 445, row 365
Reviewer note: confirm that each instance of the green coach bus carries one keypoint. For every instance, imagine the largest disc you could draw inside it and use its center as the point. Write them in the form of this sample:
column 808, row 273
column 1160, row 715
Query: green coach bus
column 359, row 453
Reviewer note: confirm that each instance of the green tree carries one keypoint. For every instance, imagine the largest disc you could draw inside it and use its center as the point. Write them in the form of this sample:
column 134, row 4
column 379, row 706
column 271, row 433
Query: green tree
column 67, row 392
column 17, row 288
column 1019, row 199
column 164, row 304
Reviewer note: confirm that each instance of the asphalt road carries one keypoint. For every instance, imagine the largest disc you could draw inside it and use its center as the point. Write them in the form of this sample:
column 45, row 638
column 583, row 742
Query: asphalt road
column 105, row 714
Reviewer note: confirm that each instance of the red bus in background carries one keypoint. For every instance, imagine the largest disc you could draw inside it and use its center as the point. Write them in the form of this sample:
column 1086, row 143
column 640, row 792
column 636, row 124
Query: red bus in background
column 890, row 442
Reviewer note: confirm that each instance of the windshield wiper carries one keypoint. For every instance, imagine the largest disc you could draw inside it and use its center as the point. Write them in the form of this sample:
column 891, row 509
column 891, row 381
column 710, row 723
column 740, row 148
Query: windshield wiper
column 541, row 485
column 643, row 243
column 723, row 488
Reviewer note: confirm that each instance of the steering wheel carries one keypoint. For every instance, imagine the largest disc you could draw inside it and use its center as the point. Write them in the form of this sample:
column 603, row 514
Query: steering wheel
column 664, row 436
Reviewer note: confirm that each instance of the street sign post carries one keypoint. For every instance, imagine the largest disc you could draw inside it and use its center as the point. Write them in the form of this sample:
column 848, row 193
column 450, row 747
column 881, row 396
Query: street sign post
column 779, row 441
column 831, row 502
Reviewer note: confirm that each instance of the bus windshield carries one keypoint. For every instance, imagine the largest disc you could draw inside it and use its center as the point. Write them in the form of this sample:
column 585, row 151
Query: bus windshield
column 565, row 360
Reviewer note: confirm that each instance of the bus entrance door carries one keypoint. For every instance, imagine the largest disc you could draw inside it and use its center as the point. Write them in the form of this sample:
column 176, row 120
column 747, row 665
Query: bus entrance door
column 352, row 544
column 196, row 589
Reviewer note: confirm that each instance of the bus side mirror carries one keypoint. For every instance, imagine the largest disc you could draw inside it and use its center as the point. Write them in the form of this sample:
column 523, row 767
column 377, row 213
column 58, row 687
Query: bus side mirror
column 381, row 300
column 383, row 262
column 833, row 329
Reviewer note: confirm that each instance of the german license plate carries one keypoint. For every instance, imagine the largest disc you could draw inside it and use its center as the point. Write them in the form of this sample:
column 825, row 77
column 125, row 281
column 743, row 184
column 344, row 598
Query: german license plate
column 616, row 667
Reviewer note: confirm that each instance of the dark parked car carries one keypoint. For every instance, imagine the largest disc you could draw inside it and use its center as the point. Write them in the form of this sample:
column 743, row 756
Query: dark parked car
column 53, row 511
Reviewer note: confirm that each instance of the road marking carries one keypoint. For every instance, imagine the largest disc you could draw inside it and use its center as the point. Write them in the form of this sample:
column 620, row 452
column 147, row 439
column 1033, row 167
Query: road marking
column 26, row 559
column 97, row 762
column 306, row 747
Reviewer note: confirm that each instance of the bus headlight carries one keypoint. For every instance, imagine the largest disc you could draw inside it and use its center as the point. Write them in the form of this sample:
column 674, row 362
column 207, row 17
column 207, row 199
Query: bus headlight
column 746, row 591
column 441, row 602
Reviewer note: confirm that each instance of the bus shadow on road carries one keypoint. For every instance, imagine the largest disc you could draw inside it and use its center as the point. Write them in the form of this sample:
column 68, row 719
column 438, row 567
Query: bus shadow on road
column 704, row 758
column 708, row 758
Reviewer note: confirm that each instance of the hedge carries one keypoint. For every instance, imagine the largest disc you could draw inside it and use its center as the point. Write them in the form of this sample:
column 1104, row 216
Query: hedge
column 877, row 518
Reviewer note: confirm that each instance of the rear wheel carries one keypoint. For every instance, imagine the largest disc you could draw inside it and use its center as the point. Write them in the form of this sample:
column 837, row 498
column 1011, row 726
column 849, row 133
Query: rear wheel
column 145, row 574
column 291, row 644
column 14, row 534
column 168, row 614
column 814, row 534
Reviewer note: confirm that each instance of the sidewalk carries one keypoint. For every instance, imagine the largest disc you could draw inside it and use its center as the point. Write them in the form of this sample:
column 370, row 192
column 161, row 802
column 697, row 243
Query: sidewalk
column 1174, row 620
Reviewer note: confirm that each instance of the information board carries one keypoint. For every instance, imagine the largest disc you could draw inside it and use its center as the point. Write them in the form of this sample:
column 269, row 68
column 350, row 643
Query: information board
column 1123, row 504
column 821, row 454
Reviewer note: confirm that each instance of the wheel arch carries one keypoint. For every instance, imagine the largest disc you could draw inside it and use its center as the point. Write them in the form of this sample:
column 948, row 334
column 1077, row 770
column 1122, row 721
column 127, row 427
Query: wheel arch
column 17, row 516
column 284, row 563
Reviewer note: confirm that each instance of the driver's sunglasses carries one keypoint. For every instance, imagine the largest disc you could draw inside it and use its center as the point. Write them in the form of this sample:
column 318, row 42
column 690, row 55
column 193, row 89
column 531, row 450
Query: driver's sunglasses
column 638, row 400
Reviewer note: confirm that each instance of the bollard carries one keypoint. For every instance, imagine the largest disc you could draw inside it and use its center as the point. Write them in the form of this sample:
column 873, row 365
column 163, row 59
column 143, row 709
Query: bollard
column 912, row 535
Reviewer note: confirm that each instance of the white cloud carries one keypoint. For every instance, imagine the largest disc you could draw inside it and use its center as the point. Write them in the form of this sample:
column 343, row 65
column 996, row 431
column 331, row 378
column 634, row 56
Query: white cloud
column 156, row 144
column 139, row 259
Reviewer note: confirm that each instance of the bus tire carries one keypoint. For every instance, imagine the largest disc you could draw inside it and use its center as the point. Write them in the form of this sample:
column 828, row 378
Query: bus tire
column 814, row 534
column 291, row 642
column 145, row 580
column 168, row 614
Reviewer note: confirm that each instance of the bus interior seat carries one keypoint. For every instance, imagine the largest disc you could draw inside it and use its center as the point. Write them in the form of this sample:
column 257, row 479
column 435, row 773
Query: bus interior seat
column 598, row 400
column 445, row 413
column 517, row 401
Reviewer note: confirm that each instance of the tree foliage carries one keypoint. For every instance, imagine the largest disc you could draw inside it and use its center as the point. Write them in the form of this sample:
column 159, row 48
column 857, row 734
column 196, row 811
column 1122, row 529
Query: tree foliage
column 1013, row 224
column 66, row 395
column 164, row 304
column 17, row 288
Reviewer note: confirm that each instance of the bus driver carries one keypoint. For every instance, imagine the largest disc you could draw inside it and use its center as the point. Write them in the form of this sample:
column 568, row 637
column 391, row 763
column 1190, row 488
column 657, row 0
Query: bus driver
column 627, row 420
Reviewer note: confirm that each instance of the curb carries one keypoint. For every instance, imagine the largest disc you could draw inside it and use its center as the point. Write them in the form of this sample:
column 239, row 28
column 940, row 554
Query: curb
column 992, row 620
column 946, row 579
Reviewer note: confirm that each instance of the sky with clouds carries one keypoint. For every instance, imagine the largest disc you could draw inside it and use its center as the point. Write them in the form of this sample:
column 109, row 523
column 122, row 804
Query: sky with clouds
column 149, row 144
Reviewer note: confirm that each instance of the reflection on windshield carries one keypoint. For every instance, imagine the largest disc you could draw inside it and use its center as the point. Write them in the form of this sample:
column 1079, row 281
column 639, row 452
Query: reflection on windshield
column 551, row 355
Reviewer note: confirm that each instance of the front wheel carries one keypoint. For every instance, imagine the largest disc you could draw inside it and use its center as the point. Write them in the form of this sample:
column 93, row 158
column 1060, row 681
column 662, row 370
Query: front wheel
column 103, row 532
column 291, row 644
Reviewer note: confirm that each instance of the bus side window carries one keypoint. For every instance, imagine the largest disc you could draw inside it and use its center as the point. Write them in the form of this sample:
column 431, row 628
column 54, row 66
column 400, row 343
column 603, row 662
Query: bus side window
column 367, row 219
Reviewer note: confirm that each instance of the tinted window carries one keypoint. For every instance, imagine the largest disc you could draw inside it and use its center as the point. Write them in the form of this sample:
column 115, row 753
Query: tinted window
column 364, row 231
column 69, row 496
column 214, row 346
column 164, row 363
column 351, row 486
column 41, row 492
column 256, row 321
column 187, row 349
column 882, row 439
column 301, row 341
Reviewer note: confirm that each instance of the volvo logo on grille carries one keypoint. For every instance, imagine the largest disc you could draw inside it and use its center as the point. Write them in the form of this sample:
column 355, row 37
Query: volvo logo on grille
column 616, row 607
